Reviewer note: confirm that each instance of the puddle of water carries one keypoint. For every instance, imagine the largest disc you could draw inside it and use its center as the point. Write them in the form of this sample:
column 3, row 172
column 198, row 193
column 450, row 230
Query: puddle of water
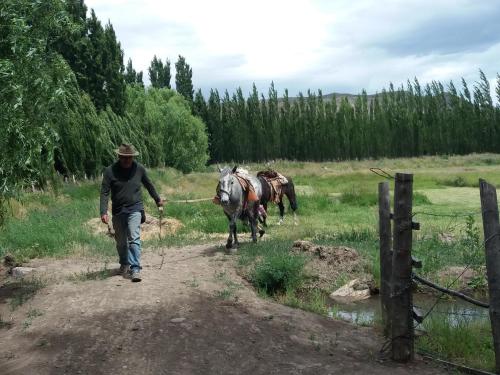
column 368, row 311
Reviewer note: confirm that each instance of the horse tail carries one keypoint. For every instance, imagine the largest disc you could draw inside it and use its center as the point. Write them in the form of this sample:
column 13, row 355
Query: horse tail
column 266, row 190
column 290, row 193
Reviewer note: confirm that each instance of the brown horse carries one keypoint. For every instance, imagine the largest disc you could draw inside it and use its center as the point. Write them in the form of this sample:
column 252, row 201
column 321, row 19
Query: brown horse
column 287, row 189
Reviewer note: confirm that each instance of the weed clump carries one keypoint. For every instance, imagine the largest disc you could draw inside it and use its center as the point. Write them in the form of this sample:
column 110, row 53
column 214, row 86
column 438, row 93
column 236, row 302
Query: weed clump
column 279, row 273
column 459, row 181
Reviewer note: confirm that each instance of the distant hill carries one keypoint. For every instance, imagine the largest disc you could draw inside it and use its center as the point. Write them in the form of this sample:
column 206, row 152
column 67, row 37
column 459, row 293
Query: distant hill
column 327, row 97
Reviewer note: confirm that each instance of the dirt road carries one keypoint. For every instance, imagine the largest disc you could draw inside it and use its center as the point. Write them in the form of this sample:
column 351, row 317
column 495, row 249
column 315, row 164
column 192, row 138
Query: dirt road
column 194, row 316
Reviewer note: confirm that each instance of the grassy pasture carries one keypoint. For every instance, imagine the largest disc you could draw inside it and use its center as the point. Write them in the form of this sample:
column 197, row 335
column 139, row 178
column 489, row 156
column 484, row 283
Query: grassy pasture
column 337, row 203
column 337, row 206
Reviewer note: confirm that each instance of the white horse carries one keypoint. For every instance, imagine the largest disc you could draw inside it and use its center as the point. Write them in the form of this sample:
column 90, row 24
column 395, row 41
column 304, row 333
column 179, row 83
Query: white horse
column 235, row 203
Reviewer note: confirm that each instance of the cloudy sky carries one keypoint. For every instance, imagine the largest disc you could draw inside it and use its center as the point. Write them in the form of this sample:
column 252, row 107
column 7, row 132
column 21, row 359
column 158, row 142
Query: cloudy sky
column 336, row 46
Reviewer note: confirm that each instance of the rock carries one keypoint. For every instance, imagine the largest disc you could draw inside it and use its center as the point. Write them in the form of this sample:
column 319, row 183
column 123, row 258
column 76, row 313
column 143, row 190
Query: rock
column 361, row 285
column 21, row 271
column 354, row 290
column 177, row 320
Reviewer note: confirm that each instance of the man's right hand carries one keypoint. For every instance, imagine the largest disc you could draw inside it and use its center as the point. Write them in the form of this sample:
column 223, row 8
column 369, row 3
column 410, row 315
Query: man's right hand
column 105, row 218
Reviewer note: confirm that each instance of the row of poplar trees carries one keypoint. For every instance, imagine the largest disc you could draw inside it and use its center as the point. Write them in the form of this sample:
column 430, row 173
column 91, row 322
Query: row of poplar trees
column 411, row 120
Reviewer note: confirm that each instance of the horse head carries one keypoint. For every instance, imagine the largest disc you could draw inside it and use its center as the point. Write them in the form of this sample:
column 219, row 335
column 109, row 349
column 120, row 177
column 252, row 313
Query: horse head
column 226, row 184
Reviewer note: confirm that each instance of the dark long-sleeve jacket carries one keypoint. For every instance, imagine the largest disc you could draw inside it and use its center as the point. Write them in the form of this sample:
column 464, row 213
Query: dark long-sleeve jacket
column 125, row 188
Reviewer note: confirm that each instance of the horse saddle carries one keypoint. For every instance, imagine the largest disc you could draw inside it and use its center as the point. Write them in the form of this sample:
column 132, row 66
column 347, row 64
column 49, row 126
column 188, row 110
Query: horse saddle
column 275, row 181
column 272, row 175
column 247, row 187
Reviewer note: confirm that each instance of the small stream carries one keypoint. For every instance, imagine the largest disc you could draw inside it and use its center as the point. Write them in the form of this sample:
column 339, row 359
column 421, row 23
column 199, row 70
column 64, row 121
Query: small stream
column 368, row 311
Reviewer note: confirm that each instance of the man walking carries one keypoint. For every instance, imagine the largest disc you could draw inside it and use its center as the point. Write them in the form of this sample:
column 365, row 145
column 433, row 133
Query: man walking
column 124, row 179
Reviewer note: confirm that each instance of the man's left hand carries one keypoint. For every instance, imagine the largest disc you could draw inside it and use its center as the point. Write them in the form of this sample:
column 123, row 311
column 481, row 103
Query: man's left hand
column 160, row 203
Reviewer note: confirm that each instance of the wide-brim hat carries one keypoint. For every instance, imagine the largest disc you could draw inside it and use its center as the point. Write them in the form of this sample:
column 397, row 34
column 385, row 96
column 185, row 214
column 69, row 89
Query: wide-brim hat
column 126, row 149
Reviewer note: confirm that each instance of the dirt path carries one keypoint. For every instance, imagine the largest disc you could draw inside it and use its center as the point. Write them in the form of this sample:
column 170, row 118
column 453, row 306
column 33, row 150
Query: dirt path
column 194, row 316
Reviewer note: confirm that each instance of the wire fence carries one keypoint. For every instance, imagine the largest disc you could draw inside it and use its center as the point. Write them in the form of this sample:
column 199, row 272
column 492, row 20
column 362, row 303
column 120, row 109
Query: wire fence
column 469, row 257
column 439, row 298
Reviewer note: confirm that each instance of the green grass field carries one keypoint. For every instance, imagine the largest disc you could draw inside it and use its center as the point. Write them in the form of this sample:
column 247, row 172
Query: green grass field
column 337, row 205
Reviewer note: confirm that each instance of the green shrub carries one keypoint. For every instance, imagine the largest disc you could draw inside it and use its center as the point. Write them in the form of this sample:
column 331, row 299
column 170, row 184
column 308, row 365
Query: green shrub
column 459, row 181
column 279, row 272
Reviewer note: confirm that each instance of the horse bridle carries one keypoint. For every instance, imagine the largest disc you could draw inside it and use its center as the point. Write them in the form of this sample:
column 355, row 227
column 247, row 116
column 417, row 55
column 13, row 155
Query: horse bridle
column 224, row 191
column 221, row 190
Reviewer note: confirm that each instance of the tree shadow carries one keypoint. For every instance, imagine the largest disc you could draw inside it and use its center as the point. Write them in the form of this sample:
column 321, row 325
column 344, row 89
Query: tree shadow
column 17, row 292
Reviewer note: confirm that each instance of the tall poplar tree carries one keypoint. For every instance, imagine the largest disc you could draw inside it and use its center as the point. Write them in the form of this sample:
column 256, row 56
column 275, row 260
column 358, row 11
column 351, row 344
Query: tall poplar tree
column 131, row 76
column 184, row 79
column 159, row 74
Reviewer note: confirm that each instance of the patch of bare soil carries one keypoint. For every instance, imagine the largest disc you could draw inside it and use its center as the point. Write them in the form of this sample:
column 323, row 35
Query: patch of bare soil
column 195, row 315
column 327, row 263
column 149, row 229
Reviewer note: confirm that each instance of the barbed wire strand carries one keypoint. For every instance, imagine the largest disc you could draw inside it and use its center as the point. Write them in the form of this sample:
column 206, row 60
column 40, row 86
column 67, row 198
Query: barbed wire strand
column 457, row 215
column 381, row 173
column 450, row 284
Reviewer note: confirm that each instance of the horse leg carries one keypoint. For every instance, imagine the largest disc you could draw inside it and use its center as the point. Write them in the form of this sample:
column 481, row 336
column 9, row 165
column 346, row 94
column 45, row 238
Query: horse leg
column 261, row 231
column 232, row 228
column 254, row 229
column 253, row 221
column 236, row 242
column 292, row 198
column 264, row 220
column 259, row 228
column 282, row 211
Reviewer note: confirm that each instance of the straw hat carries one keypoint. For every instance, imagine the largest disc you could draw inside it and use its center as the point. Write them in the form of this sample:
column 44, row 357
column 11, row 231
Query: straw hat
column 126, row 149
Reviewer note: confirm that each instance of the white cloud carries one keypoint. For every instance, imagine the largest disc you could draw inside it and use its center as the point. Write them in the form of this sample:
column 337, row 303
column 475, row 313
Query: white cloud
column 333, row 45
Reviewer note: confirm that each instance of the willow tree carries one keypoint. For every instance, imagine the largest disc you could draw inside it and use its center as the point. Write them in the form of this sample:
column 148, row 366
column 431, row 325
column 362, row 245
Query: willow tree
column 32, row 78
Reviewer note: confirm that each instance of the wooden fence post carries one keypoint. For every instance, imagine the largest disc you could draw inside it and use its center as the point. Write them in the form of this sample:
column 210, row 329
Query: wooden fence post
column 401, row 281
column 491, row 227
column 384, row 224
